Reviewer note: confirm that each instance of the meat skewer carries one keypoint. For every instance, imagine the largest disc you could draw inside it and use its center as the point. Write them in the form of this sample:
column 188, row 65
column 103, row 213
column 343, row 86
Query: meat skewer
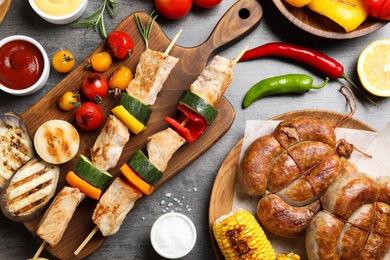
column 152, row 71
column 57, row 217
column 210, row 85
column 112, row 209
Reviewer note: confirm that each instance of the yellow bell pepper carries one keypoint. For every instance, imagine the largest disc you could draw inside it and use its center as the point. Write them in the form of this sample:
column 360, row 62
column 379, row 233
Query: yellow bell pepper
column 349, row 14
column 298, row 3
column 128, row 119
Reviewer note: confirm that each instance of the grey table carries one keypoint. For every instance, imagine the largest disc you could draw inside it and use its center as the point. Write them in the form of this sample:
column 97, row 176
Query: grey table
column 192, row 186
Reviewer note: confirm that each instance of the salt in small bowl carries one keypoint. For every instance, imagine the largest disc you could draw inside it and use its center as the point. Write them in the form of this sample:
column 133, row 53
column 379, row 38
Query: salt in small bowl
column 173, row 235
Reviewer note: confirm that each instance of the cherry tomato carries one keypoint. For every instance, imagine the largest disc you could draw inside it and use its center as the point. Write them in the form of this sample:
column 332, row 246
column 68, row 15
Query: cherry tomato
column 120, row 79
column 63, row 61
column 101, row 61
column 89, row 116
column 95, row 86
column 377, row 8
column 207, row 3
column 120, row 44
column 173, row 9
column 68, row 101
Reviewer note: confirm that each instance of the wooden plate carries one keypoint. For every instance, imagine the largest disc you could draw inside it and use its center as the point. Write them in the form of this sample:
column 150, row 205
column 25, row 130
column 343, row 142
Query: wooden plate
column 4, row 9
column 320, row 25
column 232, row 27
column 221, row 199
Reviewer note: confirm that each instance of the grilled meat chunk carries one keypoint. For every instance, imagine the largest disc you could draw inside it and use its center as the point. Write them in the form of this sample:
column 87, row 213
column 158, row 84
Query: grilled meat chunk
column 26, row 194
column 151, row 72
column 16, row 146
column 114, row 205
column 214, row 80
column 56, row 218
column 108, row 147
column 162, row 146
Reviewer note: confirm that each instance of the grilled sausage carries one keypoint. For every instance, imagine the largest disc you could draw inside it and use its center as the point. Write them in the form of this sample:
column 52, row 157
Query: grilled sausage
column 348, row 193
column 283, row 219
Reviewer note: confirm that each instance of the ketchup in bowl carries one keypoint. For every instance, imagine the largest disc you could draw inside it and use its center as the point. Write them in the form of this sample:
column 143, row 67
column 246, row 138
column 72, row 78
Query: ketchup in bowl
column 21, row 64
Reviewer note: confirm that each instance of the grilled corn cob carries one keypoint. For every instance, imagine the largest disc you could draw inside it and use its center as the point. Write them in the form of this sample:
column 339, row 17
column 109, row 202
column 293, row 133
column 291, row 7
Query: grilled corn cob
column 289, row 256
column 239, row 236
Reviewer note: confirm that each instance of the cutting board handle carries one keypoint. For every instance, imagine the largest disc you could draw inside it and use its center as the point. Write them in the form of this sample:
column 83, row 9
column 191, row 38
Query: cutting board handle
column 241, row 19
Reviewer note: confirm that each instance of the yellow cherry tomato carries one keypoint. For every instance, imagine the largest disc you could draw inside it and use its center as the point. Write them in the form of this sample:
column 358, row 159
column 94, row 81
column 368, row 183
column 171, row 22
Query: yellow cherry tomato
column 63, row 61
column 298, row 3
column 68, row 101
column 101, row 61
column 120, row 79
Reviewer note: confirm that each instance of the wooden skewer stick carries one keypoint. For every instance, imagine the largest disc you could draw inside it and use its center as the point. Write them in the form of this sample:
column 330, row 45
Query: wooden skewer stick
column 240, row 55
column 40, row 249
column 86, row 240
column 173, row 42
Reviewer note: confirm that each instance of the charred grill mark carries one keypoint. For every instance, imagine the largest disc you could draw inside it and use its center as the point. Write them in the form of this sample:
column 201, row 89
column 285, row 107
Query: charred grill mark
column 32, row 205
column 29, row 178
column 29, row 193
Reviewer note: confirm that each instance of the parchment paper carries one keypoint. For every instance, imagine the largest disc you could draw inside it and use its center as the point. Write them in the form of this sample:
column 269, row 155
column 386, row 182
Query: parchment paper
column 373, row 143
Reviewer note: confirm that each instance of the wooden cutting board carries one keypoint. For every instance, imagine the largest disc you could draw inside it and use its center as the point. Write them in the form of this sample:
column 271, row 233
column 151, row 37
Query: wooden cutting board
column 236, row 23
column 222, row 194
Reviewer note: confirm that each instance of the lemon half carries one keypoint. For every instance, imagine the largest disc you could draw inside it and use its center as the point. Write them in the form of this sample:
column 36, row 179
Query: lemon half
column 374, row 67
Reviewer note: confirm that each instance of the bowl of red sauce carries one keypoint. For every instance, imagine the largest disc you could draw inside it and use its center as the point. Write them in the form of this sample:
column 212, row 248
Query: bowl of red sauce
column 24, row 65
column 59, row 11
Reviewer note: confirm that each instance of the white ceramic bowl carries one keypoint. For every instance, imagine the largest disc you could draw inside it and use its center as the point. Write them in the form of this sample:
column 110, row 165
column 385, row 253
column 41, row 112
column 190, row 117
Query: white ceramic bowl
column 45, row 73
column 173, row 235
column 64, row 19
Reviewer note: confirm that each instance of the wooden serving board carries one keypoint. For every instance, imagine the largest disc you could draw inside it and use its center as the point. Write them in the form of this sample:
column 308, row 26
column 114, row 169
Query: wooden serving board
column 236, row 23
column 222, row 194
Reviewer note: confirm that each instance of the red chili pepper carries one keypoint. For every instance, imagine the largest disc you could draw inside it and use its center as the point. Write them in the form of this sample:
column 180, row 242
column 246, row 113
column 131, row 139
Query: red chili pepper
column 190, row 126
column 314, row 58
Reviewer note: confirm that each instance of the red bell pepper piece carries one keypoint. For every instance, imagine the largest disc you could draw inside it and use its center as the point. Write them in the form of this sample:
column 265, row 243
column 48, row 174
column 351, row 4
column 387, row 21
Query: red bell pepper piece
column 190, row 125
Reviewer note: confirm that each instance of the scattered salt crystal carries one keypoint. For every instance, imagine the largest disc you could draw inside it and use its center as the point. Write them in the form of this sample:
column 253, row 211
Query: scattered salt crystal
column 175, row 199
column 143, row 218
column 183, row 197
column 189, row 209
column 168, row 195
column 170, row 204
column 195, row 189
column 162, row 202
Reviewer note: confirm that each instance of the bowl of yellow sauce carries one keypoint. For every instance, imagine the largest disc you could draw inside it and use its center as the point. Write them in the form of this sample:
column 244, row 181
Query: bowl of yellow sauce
column 59, row 11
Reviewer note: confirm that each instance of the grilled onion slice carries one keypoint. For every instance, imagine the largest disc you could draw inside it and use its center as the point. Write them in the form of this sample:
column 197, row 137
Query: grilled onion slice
column 56, row 141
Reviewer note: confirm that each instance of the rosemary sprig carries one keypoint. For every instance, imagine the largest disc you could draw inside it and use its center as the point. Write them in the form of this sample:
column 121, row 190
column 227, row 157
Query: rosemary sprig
column 145, row 29
column 96, row 19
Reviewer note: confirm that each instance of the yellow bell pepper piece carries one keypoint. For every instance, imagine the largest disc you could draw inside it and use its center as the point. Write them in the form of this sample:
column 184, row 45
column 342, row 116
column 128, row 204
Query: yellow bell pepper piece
column 128, row 119
column 298, row 3
column 349, row 14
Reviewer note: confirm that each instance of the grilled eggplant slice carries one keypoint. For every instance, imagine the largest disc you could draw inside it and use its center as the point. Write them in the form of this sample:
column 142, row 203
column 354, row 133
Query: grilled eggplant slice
column 29, row 190
column 16, row 146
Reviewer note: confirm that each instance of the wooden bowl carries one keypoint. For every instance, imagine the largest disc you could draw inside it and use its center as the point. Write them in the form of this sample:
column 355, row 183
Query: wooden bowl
column 322, row 26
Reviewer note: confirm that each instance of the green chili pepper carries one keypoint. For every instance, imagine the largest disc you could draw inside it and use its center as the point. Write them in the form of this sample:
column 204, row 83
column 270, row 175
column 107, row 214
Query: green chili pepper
column 284, row 84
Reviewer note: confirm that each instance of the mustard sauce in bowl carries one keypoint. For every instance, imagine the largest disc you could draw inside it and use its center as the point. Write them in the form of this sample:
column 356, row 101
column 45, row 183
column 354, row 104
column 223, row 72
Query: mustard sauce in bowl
column 57, row 7
column 59, row 11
